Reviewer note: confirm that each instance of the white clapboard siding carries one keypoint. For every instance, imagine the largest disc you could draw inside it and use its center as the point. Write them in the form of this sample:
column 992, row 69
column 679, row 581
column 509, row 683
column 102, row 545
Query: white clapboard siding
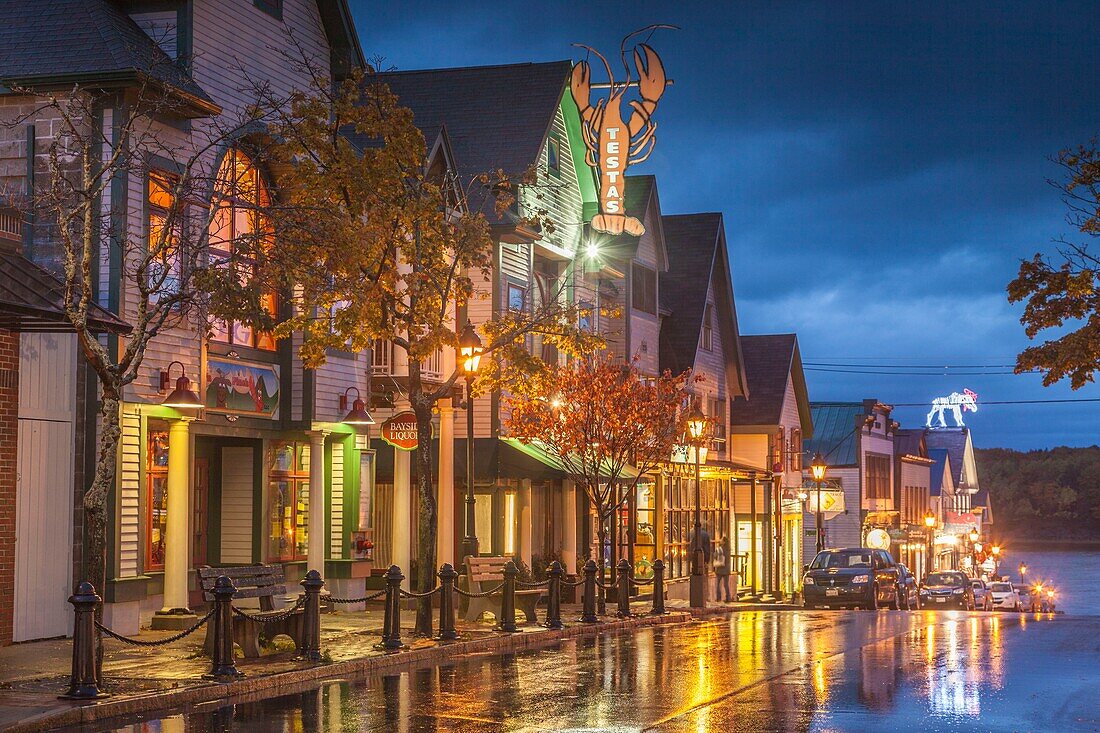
column 43, row 526
column 131, row 457
column 236, row 509
column 336, row 502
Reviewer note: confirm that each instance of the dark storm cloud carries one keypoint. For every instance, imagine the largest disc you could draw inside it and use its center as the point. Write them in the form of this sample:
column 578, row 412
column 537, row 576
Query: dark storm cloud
column 881, row 166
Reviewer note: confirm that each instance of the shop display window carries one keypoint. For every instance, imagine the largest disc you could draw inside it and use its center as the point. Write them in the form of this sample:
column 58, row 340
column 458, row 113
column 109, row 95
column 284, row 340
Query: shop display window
column 288, row 501
column 156, row 495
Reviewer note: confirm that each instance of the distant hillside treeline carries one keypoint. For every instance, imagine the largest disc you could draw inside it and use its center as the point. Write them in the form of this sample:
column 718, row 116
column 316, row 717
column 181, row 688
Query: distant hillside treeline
column 1043, row 494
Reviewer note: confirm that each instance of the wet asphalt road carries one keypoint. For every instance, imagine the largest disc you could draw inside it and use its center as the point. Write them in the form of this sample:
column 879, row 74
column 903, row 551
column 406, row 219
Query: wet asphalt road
column 754, row 671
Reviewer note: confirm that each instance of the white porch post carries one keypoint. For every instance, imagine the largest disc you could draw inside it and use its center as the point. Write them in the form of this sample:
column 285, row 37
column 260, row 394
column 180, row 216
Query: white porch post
column 569, row 527
column 525, row 510
column 175, row 531
column 315, row 538
column 445, row 500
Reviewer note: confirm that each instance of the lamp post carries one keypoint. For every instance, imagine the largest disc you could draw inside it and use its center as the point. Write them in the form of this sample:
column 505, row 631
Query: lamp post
column 469, row 350
column 974, row 536
column 696, row 425
column 818, row 468
column 995, row 550
column 1023, row 572
column 929, row 525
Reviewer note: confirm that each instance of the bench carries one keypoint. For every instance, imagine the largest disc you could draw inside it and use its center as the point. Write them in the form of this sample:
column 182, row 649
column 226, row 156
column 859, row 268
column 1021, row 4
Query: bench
column 263, row 582
column 483, row 573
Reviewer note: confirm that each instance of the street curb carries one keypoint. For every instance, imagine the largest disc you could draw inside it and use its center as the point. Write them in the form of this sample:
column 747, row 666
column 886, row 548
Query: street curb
column 277, row 682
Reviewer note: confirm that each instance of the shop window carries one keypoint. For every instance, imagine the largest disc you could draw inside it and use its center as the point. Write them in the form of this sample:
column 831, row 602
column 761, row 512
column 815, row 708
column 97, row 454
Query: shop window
column 878, row 476
column 274, row 8
column 165, row 274
column 237, row 225
column 156, row 495
column 288, row 501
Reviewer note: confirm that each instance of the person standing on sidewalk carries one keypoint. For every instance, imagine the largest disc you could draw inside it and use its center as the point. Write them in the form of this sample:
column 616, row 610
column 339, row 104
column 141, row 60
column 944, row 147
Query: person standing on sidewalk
column 722, row 567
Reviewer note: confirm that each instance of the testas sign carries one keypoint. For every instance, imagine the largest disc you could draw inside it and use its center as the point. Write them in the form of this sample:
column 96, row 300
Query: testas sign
column 613, row 143
column 400, row 431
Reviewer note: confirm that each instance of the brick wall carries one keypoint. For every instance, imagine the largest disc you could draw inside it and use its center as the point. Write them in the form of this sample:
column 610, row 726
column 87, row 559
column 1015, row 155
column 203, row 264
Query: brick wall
column 9, row 430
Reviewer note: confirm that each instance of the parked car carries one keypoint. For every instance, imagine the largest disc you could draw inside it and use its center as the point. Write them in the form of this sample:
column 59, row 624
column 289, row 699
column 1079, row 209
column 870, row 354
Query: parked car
column 947, row 589
column 982, row 599
column 853, row 577
column 1005, row 596
column 1030, row 597
column 910, row 589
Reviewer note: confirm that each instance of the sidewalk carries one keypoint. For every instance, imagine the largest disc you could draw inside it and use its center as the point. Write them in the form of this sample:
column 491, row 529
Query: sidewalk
column 144, row 679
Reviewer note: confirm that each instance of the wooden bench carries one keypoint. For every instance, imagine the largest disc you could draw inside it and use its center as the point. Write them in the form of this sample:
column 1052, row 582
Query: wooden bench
column 483, row 573
column 263, row 582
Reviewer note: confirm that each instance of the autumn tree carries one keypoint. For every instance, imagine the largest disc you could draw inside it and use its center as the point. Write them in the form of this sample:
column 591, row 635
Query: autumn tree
column 1062, row 291
column 607, row 424
column 77, row 222
column 378, row 245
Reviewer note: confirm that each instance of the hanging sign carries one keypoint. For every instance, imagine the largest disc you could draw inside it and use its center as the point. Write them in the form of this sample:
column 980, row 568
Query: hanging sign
column 957, row 403
column 686, row 454
column 235, row 387
column 832, row 502
column 878, row 539
column 614, row 143
column 400, row 431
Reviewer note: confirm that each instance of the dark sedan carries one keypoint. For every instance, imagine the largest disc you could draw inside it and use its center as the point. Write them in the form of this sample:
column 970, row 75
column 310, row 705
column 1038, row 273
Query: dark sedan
column 858, row 577
column 947, row 589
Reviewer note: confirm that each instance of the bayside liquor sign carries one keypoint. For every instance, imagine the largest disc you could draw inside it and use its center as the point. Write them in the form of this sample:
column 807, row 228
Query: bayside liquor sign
column 611, row 143
column 400, row 431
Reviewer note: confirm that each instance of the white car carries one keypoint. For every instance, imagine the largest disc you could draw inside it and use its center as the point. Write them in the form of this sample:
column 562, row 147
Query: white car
column 1004, row 596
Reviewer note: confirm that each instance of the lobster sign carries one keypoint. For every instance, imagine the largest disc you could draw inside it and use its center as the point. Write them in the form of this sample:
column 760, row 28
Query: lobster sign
column 612, row 144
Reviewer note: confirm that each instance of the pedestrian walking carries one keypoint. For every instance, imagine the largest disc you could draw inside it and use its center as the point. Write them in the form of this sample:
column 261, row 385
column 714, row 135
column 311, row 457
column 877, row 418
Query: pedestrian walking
column 723, row 565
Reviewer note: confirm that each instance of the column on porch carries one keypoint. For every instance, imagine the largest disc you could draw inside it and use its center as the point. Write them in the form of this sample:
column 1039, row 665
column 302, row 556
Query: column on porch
column 175, row 612
column 318, row 514
column 569, row 526
column 445, row 510
column 525, row 509
column 401, row 522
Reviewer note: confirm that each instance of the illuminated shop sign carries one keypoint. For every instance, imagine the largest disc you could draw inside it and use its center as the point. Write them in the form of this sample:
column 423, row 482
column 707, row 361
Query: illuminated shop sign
column 612, row 143
column 957, row 403
column 400, row 431
column 235, row 387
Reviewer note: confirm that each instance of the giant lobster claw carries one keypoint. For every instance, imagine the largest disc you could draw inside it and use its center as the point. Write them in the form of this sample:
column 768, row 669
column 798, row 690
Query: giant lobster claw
column 651, row 74
column 581, row 85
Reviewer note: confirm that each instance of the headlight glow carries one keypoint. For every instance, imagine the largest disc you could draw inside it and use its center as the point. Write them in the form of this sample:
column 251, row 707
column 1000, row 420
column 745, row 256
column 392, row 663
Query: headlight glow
column 958, row 591
column 861, row 579
column 807, row 580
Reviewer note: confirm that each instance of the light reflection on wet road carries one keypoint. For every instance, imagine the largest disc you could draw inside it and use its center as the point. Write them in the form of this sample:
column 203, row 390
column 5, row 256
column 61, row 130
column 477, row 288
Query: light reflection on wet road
column 756, row 671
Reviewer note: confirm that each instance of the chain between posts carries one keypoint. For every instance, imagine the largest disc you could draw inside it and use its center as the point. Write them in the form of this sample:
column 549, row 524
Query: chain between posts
column 272, row 617
column 155, row 642
column 483, row 594
column 349, row 601
column 410, row 594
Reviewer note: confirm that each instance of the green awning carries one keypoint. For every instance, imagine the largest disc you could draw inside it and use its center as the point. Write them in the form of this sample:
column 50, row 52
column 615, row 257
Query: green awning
column 536, row 451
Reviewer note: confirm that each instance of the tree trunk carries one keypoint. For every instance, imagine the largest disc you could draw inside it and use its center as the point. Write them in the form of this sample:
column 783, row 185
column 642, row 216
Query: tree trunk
column 426, row 519
column 601, row 538
column 95, row 502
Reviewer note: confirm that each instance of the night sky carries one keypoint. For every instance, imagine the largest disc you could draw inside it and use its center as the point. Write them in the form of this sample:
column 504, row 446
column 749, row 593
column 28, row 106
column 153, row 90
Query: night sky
column 882, row 167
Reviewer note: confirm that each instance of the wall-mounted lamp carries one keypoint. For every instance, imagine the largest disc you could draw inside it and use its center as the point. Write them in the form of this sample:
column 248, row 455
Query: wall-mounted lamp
column 358, row 414
column 182, row 397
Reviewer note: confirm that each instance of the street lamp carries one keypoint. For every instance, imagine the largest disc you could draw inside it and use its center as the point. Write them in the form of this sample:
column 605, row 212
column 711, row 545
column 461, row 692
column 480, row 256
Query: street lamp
column 929, row 525
column 182, row 397
column 1023, row 571
column 817, row 469
column 696, row 427
column 469, row 351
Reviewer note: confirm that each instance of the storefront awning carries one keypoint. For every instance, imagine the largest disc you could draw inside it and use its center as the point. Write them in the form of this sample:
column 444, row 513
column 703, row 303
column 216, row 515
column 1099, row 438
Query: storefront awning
column 540, row 454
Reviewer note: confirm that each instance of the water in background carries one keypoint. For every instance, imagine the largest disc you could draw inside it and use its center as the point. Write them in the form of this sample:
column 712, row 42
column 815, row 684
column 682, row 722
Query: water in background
column 1075, row 575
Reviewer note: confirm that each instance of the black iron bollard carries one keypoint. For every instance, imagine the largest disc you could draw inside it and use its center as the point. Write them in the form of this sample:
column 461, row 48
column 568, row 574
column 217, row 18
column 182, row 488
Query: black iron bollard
column 623, row 591
column 83, row 684
column 223, row 668
column 658, row 588
column 391, row 623
column 447, row 576
column 311, row 618
column 588, row 608
column 553, row 596
column 508, row 598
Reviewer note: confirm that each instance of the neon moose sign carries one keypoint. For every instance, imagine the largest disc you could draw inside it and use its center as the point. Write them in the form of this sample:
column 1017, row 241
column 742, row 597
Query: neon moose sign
column 612, row 144
column 957, row 403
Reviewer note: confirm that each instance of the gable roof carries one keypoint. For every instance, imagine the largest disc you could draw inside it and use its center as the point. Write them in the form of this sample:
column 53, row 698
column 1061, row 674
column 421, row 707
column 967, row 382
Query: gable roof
column 345, row 53
column 835, row 432
column 61, row 42
column 954, row 441
column 942, row 461
column 496, row 116
column 697, row 258
column 771, row 362
column 910, row 442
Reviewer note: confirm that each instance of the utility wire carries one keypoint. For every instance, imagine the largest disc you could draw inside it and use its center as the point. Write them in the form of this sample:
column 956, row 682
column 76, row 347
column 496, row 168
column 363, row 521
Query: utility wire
column 890, row 373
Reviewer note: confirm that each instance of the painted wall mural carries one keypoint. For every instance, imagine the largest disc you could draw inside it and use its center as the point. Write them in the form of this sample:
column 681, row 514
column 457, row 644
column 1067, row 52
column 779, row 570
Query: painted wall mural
column 235, row 387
